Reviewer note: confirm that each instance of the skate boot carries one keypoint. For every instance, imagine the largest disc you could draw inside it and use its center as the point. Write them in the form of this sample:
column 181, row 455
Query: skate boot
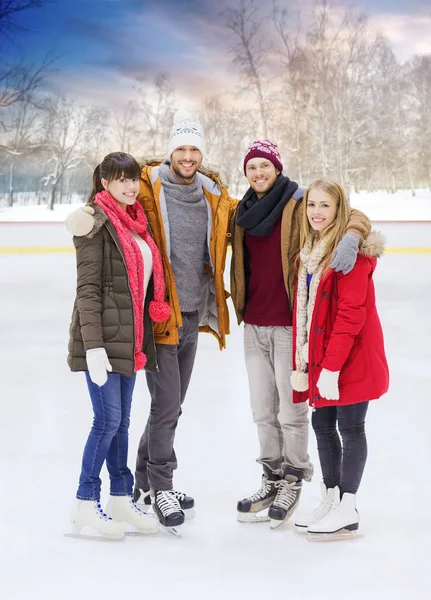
column 167, row 508
column 306, row 519
column 89, row 513
column 186, row 502
column 341, row 522
column 249, row 508
column 124, row 510
column 288, row 493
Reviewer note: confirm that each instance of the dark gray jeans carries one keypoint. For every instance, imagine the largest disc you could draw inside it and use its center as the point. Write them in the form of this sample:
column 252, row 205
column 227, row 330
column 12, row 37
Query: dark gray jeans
column 156, row 459
column 342, row 463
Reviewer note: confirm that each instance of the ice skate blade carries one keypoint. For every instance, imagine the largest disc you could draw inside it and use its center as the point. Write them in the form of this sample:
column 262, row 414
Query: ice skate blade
column 175, row 531
column 252, row 518
column 300, row 529
column 342, row 534
column 275, row 524
column 189, row 513
column 135, row 533
column 94, row 538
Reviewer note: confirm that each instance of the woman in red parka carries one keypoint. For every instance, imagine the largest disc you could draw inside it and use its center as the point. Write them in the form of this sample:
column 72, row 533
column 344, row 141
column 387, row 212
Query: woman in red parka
column 339, row 360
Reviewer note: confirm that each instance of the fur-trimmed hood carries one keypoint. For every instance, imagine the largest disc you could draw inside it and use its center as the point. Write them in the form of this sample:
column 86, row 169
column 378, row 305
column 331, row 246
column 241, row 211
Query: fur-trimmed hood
column 100, row 217
column 373, row 245
column 86, row 221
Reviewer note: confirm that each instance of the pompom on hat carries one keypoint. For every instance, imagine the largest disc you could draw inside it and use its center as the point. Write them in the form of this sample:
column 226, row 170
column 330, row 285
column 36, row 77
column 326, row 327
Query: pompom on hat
column 264, row 149
column 186, row 133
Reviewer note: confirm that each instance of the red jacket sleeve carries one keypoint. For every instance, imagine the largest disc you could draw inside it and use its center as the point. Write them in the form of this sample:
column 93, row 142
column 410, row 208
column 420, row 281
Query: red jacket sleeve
column 351, row 313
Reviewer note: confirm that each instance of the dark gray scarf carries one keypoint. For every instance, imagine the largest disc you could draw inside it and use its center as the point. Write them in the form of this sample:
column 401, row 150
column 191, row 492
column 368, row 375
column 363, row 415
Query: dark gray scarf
column 259, row 217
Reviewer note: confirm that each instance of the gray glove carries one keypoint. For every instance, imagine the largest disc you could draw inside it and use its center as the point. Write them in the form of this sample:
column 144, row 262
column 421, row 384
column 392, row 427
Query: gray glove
column 345, row 254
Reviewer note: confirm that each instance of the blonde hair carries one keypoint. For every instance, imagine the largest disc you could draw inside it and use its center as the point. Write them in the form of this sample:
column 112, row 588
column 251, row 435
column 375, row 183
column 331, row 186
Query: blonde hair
column 336, row 230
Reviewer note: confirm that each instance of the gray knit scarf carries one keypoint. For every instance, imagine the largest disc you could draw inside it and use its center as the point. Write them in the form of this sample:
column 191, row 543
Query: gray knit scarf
column 190, row 192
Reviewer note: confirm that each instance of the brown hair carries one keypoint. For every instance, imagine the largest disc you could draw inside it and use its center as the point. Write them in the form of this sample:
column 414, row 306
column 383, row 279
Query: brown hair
column 336, row 230
column 114, row 166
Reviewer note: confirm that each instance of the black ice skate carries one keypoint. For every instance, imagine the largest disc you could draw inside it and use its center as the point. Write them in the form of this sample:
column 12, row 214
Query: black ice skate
column 249, row 508
column 286, row 500
column 167, row 508
column 186, row 502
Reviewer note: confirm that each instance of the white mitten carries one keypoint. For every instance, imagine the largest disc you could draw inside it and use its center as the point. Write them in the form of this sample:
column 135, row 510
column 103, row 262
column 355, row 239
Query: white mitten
column 81, row 221
column 328, row 384
column 98, row 363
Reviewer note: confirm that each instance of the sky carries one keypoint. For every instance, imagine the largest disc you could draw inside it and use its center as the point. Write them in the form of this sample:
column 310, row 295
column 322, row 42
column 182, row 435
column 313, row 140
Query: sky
column 103, row 45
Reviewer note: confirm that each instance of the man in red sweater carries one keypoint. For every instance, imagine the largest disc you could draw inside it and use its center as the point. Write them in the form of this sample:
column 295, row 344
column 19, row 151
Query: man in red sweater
column 265, row 243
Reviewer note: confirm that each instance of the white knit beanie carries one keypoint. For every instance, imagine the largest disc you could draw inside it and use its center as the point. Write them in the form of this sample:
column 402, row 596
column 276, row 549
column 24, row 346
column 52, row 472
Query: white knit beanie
column 186, row 133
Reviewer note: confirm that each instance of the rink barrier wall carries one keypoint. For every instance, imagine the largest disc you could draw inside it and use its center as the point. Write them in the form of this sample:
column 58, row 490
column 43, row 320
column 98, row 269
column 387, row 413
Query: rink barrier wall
column 51, row 237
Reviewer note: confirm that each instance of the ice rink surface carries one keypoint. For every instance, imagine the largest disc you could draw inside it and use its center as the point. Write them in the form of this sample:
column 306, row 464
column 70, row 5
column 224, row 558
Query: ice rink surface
column 46, row 416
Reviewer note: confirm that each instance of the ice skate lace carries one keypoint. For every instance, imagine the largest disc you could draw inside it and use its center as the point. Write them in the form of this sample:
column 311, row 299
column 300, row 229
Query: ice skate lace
column 136, row 507
column 263, row 491
column 316, row 510
column 286, row 494
column 180, row 496
column 100, row 513
column 167, row 502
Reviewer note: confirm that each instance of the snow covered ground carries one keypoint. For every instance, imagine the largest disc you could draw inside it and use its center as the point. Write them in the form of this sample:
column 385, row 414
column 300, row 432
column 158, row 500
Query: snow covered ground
column 46, row 416
column 379, row 206
column 404, row 220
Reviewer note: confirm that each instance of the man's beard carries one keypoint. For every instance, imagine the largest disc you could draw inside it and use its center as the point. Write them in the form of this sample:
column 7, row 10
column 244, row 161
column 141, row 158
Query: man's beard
column 183, row 178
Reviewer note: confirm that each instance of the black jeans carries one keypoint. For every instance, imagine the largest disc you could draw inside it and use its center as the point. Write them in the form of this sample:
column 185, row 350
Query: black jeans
column 342, row 460
column 156, row 459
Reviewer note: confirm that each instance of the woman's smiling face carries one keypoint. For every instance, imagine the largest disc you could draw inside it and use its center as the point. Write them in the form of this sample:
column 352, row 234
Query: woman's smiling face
column 321, row 209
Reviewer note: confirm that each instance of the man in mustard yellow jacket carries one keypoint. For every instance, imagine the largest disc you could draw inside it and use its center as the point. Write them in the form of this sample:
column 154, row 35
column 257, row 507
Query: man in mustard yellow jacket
column 189, row 213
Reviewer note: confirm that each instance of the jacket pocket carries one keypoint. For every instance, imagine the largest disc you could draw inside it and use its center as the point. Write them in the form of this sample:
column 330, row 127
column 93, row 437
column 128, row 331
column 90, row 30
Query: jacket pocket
column 110, row 314
column 354, row 369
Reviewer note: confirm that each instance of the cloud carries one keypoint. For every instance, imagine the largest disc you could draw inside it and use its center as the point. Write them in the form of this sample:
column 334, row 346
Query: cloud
column 408, row 34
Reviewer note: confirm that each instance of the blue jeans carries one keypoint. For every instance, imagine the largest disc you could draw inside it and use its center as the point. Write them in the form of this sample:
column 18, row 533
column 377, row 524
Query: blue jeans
column 109, row 438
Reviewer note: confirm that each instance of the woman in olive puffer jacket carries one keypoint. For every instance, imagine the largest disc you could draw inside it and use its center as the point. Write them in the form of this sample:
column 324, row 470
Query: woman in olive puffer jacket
column 119, row 270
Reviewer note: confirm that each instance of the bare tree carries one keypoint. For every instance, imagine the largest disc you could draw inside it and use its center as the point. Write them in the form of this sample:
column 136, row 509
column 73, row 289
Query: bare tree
column 157, row 108
column 9, row 9
column 249, row 52
column 67, row 128
column 97, row 135
column 19, row 79
column 419, row 77
column 227, row 135
column 23, row 136
column 126, row 126
column 294, row 96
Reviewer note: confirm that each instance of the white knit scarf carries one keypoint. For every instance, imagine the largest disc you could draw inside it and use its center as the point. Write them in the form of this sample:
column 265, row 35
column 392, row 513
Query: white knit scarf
column 311, row 257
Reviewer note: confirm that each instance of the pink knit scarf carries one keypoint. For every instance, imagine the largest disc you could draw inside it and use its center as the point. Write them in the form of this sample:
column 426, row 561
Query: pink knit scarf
column 124, row 222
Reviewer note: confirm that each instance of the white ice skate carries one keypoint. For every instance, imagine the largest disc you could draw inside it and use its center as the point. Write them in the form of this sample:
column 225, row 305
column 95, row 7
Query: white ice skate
column 302, row 521
column 88, row 515
column 124, row 510
column 341, row 522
